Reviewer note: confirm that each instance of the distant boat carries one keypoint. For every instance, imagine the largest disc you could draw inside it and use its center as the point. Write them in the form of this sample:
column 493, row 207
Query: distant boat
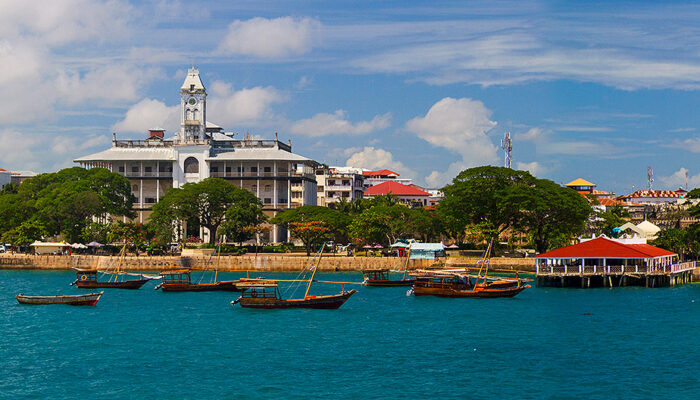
column 380, row 276
column 265, row 294
column 179, row 280
column 87, row 278
column 90, row 299
column 459, row 283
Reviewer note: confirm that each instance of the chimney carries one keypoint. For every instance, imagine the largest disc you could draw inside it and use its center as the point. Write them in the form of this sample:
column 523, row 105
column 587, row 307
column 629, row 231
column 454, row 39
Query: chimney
column 156, row 133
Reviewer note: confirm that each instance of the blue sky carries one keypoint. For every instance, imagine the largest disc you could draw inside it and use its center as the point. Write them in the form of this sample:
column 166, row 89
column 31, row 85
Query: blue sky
column 594, row 90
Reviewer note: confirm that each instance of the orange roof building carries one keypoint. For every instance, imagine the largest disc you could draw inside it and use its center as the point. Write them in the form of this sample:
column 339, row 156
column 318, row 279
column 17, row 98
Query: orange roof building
column 405, row 193
column 581, row 185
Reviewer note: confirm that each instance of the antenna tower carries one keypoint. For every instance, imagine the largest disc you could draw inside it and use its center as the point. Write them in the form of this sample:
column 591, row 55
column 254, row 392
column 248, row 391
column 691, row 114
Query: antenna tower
column 507, row 146
column 650, row 177
column 686, row 180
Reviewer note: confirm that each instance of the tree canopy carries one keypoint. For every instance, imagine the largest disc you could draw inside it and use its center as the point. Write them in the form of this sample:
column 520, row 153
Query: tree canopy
column 64, row 203
column 206, row 202
column 314, row 224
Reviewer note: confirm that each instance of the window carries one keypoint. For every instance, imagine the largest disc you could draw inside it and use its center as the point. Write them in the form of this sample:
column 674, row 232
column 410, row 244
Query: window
column 239, row 169
column 135, row 188
column 268, row 188
column 254, row 188
column 135, row 168
column 253, row 169
column 268, row 169
column 121, row 169
column 165, row 168
column 147, row 169
column 268, row 200
column 191, row 166
column 214, row 169
column 149, row 200
column 228, row 170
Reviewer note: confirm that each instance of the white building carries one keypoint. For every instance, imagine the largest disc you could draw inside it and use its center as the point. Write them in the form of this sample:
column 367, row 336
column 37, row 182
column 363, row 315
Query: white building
column 267, row 168
column 373, row 178
column 338, row 183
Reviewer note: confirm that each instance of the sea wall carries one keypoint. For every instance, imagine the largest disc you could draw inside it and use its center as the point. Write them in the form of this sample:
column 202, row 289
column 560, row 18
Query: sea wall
column 263, row 262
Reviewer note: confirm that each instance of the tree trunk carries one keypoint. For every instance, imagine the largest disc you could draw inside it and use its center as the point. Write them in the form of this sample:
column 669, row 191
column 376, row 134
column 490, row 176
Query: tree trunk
column 212, row 233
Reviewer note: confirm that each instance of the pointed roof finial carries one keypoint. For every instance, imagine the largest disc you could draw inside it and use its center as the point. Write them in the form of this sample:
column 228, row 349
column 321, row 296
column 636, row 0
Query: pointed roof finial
column 192, row 81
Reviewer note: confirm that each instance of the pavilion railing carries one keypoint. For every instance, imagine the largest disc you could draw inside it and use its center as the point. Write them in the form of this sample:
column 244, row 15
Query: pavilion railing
column 614, row 269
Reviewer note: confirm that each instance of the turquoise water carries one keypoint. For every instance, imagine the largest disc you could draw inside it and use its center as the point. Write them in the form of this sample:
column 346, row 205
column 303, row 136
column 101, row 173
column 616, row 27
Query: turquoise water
column 626, row 343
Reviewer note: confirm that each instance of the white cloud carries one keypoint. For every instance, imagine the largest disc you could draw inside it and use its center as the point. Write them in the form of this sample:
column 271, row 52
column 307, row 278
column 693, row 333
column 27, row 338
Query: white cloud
column 324, row 124
column 584, row 129
column 460, row 126
column 534, row 167
column 271, row 38
column 147, row 114
column 110, row 84
column 372, row 158
column 677, row 179
column 19, row 149
column 72, row 145
column 533, row 134
column 690, row 144
column 229, row 107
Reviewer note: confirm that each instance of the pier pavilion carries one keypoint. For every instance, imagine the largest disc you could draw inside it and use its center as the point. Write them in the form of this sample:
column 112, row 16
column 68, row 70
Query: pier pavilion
column 605, row 262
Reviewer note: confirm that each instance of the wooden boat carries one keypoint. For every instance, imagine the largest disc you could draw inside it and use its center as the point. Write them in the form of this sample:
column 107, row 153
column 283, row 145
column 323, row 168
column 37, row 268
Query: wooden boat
column 380, row 277
column 265, row 294
column 456, row 283
column 90, row 299
column 178, row 280
column 87, row 279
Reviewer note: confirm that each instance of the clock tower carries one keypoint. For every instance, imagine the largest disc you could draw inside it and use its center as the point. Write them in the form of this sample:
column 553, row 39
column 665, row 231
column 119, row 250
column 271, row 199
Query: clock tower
column 193, row 98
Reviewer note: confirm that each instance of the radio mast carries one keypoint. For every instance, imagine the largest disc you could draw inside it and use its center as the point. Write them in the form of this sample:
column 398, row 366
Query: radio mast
column 507, row 146
column 650, row 177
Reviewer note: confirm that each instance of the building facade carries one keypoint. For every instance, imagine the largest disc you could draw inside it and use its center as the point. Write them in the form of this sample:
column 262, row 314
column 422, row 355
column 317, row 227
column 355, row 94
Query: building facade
column 336, row 184
column 267, row 168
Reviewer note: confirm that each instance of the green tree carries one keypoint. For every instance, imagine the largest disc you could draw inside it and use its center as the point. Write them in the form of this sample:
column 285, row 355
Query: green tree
column 685, row 241
column 245, row 213
column 611, row 218
column 26, row 233
column 693, row 194
column 553, row 214
column 205, row 201
column 488, row 197
column 385, row 224
column 314, row 224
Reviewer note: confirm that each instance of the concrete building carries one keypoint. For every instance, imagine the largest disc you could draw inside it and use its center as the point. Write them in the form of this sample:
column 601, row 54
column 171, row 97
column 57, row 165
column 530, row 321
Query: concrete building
column 267, row 168
column 5, row 177
column 338, row 183
column 655, row 196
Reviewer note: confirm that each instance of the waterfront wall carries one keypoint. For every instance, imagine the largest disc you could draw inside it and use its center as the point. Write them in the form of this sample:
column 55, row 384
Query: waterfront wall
column 264, row 262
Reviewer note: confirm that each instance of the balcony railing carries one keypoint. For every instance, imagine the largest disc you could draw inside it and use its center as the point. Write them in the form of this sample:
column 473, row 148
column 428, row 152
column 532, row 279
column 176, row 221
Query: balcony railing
column 614, row 269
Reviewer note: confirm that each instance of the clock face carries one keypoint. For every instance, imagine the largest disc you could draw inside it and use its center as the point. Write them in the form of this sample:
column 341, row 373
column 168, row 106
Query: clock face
column 192, row 101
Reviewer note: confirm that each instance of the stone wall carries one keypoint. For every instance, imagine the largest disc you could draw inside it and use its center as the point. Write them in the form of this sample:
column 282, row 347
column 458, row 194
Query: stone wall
column 262, row 262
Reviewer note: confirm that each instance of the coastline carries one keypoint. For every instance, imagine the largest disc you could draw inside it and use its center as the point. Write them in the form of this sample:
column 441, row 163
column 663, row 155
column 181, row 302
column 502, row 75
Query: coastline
column 263, row 262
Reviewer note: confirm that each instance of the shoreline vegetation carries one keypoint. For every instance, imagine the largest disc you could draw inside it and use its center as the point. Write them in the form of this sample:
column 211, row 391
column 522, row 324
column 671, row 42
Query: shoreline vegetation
column 263, row 262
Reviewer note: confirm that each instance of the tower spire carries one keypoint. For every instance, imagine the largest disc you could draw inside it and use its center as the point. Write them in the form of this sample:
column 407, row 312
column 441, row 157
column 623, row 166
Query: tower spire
column 507, row 146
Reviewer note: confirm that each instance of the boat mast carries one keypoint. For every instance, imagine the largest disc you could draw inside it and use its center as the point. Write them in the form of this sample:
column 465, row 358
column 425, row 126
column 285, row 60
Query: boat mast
column 218, row 257
column 318, row 262
column 487, row 255
column 408, row 256
column 122, row 254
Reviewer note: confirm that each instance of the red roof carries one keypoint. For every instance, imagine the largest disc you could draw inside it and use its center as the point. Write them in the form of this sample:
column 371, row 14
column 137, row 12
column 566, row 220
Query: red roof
column 379, row 173
column 605, row 248
column 654, row 193
column 395, row 188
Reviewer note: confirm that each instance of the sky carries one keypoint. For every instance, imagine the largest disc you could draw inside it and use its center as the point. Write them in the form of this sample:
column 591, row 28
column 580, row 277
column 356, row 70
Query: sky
column 599, row 91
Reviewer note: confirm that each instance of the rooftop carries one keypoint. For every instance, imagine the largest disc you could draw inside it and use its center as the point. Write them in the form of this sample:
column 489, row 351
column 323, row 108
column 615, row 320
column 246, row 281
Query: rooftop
column 580, row 182
column 395, row 188
column 381, row 172
column 605, row 248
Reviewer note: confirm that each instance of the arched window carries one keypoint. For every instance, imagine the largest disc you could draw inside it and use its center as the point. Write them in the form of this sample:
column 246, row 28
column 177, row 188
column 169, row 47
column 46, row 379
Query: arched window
column 191, row 165
column 188, row 114
column 194, row 114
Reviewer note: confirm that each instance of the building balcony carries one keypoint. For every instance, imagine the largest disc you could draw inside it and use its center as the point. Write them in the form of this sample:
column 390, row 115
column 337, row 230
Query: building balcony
column 338, row 187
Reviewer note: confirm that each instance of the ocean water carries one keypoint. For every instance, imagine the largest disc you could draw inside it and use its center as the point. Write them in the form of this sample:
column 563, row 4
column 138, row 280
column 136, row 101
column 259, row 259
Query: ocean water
column 548, row 343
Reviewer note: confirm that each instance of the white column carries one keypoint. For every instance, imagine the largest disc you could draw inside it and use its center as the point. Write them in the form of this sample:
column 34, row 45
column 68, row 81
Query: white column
column 141, row 200
column 274, row 229
column 289, row 193
column 257, row 188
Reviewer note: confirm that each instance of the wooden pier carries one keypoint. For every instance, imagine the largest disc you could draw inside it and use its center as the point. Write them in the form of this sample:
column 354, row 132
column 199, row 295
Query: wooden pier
column 614, row 275
column 602, row 262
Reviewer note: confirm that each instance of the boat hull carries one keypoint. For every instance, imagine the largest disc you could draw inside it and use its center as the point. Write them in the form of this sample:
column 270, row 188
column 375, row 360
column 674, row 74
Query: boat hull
column 90, row 299
column 331, row 302
column 130, row 284
column 479, row 292
column 402, row 282
column 223, row 286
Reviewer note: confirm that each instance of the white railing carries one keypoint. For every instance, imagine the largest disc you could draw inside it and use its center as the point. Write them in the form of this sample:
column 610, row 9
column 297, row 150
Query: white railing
column 613, row 269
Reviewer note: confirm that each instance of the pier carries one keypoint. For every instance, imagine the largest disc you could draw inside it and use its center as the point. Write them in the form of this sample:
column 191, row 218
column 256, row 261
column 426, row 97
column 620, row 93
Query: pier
column 591, row 276
column 603, row 262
